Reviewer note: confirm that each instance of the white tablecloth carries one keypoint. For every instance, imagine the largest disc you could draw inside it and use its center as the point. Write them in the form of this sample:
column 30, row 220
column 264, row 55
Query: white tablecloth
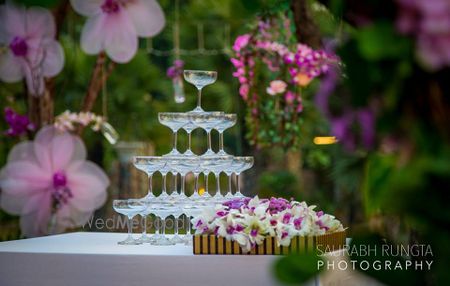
column 88, row 258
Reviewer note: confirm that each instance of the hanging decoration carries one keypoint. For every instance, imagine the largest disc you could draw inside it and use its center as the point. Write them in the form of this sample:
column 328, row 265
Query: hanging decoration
column 274, row 72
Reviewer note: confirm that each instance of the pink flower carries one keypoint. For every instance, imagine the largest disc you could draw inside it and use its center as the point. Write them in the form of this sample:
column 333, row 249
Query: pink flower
column 50, row 175
column 276, row 87
column 114, row 25
column 241, row 41
column 31, row 51
column 289, row 97
column 243, row 91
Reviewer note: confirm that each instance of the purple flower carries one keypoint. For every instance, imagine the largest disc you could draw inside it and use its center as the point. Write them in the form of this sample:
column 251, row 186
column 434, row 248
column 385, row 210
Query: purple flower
column 235, row 203
column 277, row 205
column 176, row 70
column 18, row 124
column 298, row 223
column 240, row 42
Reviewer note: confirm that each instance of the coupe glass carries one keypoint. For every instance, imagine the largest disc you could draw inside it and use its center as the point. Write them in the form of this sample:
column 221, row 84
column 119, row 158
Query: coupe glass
column 163, row 210
column 175, row 121
column 228, row 120
column 241, row 164
column 164, row 171
column 216, row 165
column 189, row 127
column 200, row 79
column 183, row 166
column 207, row 121
column 149, row 165
column 129, row 208
column 176, row 215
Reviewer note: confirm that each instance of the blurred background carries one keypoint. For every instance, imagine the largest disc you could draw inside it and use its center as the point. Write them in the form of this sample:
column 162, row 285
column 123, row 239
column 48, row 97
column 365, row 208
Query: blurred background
column 387, row 104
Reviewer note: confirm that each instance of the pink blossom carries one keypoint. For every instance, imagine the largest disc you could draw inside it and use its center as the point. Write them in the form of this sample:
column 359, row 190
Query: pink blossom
column 243, row 91
column 31, row 52
column 114, row 25
column 289, row 97
column 50, row 175
column 241, row 42
column 276, row 87
column 237, row 63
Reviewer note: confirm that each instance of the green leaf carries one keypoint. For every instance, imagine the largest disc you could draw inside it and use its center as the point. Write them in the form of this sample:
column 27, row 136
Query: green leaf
column 298, row 268
column 380, row 41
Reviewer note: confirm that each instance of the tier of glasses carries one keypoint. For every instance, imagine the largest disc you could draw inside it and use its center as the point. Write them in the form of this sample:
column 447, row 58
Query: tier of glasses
column 189, row 121
column 178, row 203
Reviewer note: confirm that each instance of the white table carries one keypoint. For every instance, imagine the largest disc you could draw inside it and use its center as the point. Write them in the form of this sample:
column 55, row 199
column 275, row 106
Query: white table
column 89, row 258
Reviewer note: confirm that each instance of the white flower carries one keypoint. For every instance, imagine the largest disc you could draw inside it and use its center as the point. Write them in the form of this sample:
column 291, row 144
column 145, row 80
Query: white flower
column 276, row 87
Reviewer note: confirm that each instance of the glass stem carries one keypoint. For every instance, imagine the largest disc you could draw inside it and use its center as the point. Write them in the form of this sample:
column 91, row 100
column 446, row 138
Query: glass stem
column 150, row 184
column 175, row 139
column 144, row 227
column 221, row 141
column 218, row 184
column 175, row 183
column 189, row 141
column 196, row 184
column 183, row 180
column 188, row 231
column 164, row 192
column 199, row 98
column 163, row 223
column 238, row 185
column 206, row 183
column 129, row 227
column 209, row 141
column 156, row 226
column 176, row 225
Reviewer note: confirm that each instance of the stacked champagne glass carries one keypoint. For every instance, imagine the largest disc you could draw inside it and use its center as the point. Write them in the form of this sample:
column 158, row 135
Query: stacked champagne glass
column 177, row 202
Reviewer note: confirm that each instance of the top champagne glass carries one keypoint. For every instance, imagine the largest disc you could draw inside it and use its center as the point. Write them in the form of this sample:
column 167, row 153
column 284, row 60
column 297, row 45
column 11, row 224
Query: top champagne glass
column 200, row 79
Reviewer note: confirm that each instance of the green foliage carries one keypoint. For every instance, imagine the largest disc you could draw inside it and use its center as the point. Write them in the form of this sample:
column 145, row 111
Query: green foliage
column 298, row 268
column 280, row 183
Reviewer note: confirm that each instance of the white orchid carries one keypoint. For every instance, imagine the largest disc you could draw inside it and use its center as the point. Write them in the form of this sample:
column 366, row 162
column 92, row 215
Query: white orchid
column 250, row 221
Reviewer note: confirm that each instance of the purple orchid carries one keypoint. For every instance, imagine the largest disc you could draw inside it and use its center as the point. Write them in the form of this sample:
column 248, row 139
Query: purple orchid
column 18, row 124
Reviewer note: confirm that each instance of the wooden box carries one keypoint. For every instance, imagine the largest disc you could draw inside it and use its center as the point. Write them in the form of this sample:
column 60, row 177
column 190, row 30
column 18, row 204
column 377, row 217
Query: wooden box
column 211, row 244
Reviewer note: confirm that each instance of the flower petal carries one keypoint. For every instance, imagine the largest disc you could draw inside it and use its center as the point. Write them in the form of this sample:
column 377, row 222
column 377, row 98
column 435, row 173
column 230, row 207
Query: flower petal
column 23, row 177
column 87, row 7
column 147, row 17
column 10, row 67
column 41, row 150
column 54, row 59
column 36, row 223
column 39, row 23
column 120, row 37
column 12, row 22
column 88, row 184
column 93, row 34
column 61, row 151
column 22, row 151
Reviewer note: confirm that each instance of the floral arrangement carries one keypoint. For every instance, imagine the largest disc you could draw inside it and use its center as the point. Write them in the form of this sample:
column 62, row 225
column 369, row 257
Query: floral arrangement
column 47, row 180
column 68, row 120
column 49, row 183
column 273, row 71
column 249, row 221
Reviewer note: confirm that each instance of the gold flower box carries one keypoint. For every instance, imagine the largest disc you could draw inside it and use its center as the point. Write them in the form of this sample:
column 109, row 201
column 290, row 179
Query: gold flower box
column 211, row 244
